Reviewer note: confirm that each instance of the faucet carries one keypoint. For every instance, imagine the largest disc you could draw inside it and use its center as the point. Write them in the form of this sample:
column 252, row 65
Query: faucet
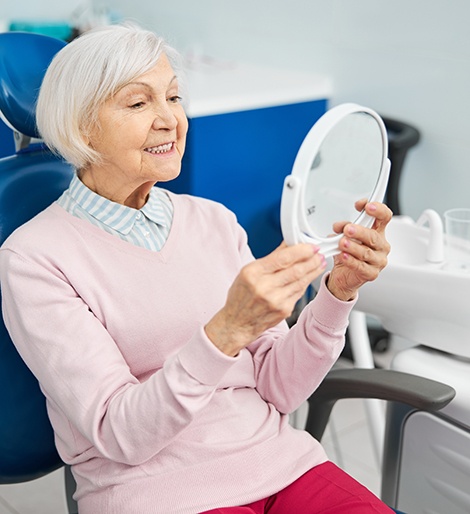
column 435, row 251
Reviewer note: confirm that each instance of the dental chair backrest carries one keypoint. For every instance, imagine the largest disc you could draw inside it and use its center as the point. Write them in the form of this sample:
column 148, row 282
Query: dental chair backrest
column 30, row 180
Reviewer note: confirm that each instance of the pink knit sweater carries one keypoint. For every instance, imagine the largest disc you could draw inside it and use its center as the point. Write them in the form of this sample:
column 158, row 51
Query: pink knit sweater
column 154, row 418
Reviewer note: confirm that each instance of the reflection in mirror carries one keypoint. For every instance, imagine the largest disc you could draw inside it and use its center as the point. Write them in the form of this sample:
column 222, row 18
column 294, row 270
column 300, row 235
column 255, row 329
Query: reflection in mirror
column 344, row 170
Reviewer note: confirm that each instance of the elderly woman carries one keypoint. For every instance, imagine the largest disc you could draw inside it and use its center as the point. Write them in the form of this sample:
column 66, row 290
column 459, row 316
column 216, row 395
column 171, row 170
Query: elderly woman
column 158, row 340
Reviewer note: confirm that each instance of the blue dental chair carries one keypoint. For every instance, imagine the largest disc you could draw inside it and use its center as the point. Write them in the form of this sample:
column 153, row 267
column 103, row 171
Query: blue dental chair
column 30, row 180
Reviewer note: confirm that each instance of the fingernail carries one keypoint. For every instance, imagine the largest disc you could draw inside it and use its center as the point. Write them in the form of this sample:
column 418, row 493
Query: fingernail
column 316, row 249
column 351, row 230
column 372, row 207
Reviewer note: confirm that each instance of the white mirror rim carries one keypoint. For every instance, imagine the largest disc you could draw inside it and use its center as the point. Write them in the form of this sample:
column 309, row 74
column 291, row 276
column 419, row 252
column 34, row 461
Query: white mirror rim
column 294, row 224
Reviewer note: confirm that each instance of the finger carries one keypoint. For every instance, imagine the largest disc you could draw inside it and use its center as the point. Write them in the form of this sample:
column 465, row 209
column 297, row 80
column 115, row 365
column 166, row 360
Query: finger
column 359, row 271
column 381, row 213
column 375, row 209
column 302, row 273
column 293, row 282
column 338, row 226
column 368, row 237
column 361, row 252
column 360, row 204
column 284, row 257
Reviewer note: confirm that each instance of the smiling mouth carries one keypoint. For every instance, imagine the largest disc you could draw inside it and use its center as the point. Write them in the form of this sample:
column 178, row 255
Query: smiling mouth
column 160, row 148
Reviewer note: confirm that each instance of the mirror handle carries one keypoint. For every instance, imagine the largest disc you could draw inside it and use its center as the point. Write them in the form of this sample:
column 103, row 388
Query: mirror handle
column 289, row 209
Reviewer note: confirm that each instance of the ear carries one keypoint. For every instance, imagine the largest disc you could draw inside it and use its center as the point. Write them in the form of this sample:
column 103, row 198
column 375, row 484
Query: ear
column 90, row 133
column 87, row 139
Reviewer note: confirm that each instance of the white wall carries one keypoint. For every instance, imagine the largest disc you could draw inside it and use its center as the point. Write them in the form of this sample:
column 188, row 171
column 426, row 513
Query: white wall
column 38, row 9
column 408, row 59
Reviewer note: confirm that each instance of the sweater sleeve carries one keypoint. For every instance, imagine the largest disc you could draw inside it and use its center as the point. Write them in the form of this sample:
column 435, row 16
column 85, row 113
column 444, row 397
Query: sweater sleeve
column 85, row 377
column 290, row 365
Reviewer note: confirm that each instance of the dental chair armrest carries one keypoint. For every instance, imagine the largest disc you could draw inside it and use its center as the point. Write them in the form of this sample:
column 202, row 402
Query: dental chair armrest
column 395, row 386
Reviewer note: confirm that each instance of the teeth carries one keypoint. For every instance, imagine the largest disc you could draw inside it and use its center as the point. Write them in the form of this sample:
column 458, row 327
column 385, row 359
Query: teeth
column 160, row 149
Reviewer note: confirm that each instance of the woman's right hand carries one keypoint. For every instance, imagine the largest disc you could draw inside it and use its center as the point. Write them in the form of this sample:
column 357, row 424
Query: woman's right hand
column 263, row 294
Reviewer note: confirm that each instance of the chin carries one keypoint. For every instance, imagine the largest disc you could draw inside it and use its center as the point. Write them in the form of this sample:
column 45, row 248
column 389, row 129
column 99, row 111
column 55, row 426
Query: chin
column 167, row 177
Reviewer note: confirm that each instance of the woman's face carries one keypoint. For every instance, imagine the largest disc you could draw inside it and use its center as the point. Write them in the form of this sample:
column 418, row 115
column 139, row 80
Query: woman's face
column 141, row 135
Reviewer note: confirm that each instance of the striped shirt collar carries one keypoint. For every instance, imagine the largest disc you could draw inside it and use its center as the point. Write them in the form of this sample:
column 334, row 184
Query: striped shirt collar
column 116, row 216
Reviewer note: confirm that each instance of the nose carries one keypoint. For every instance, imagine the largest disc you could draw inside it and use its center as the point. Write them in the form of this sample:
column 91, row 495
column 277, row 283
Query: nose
column 164, row 118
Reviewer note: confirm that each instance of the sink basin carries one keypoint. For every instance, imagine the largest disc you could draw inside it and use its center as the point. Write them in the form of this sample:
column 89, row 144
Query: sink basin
column 421, row 301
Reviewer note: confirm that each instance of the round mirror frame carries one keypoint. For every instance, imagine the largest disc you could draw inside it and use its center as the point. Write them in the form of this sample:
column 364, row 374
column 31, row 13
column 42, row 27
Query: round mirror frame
column 294, row 225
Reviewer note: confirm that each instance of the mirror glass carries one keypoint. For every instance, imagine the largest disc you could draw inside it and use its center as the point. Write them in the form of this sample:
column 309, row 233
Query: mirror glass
column 344, row 170
column 343, row 159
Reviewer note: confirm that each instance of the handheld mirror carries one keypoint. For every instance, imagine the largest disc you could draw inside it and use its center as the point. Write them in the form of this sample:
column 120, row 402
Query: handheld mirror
column 342, row 159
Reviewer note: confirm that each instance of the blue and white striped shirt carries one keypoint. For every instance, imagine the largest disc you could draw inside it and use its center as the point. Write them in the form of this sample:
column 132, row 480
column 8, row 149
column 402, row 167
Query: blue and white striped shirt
column 147, row 227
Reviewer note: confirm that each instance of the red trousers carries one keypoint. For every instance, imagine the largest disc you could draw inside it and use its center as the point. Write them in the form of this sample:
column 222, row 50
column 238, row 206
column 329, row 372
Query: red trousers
column 325, row 489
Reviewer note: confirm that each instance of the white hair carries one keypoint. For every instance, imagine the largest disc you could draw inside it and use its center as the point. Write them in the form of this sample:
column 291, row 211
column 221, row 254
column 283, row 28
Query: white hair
column 83, row 75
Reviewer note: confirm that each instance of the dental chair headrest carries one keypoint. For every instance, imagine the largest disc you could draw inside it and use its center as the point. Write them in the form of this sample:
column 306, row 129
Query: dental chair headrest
column 24, row 58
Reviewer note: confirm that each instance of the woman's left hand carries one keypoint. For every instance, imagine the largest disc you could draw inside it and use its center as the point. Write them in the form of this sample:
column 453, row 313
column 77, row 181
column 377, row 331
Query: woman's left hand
column 363, row 254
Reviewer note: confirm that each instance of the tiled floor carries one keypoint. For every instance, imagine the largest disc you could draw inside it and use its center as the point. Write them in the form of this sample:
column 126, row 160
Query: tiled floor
column 347, row 441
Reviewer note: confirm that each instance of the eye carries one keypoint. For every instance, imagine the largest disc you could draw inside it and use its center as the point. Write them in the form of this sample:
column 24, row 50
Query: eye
column 175, row 99
column 137, row 105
